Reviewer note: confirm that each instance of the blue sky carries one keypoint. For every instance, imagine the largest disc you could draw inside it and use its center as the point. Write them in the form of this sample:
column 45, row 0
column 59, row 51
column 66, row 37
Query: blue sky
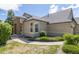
column 36, row 9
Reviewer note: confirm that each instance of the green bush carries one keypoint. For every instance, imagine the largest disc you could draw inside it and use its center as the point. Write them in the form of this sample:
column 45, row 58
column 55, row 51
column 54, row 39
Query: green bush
column 71, row 39
column 76, row 39
column 42, row 34
column 68, row 38
column 50, row 38
column 5, row 32
column 74, row 49
column 31, row 38
column 56, row 38
column 44, row 38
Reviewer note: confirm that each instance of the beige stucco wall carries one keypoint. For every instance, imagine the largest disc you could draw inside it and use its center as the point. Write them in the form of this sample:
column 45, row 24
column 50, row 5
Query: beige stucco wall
column 17, row 22
column 53, row 28
column 42, row 27
column 77, row 29
column 60, row 28
column 19, row 25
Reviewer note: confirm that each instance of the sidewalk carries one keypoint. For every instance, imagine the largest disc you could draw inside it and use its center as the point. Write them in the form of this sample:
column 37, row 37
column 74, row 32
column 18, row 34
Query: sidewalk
column 25, row 41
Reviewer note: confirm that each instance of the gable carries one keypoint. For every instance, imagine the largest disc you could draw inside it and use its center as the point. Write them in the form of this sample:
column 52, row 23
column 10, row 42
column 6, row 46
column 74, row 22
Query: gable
column 77, row 20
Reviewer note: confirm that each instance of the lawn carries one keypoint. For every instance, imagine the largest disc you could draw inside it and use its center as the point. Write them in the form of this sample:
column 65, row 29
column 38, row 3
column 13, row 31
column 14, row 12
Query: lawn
column 19, row 48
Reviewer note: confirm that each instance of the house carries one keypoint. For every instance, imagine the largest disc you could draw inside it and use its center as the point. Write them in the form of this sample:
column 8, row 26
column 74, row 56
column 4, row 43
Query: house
column 53, row 24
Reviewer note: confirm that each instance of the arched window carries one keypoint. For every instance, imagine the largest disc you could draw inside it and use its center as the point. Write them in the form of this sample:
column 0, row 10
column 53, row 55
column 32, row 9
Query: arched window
column 31, row 27
column 36, row 28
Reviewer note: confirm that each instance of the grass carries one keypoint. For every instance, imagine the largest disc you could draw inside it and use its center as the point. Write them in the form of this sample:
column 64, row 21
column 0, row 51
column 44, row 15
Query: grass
column 19, row 48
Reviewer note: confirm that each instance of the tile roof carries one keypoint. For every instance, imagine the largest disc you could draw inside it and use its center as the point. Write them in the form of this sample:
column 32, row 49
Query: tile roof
column 58, row 17
column 61, row 16
column 77, row 20
column 35, row 18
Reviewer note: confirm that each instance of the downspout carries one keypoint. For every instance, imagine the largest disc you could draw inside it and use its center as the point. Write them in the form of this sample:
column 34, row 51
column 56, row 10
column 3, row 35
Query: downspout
column 75, row 23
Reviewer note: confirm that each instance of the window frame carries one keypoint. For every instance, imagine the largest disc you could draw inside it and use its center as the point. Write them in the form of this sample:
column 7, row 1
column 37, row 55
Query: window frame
column 36, row 28
column 31, row 27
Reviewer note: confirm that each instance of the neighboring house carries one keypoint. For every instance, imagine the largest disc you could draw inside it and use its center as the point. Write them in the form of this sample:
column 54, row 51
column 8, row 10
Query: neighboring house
column 53, row 24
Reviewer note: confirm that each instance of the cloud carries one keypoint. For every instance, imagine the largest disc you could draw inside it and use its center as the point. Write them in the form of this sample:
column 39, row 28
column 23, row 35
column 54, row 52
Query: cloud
column 54, row 8
column 6, row 7
column 71, row 6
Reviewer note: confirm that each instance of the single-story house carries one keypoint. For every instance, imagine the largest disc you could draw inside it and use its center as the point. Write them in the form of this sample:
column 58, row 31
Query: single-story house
column 53, row 24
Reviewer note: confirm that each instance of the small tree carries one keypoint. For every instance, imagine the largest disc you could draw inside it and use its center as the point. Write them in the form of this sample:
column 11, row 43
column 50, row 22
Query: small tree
column 0, row 20
column 10, row 14
column 5, row 32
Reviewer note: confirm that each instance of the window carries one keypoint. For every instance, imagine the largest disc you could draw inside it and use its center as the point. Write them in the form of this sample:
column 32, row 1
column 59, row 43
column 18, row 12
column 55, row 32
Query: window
column 36, row 27
column 31, row 27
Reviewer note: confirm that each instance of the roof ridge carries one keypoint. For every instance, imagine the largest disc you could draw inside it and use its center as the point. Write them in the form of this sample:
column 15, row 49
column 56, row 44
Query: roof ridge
column 62, row 11
column 58, row 12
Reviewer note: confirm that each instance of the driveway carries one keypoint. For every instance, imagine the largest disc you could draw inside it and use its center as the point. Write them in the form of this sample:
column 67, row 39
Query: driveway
column 25, row 41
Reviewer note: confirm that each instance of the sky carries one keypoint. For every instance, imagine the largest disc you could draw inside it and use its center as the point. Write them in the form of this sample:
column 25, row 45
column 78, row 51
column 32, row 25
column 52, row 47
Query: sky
column 39, row 10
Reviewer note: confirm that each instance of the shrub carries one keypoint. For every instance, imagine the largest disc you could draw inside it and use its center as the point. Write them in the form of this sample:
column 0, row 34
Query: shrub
column 50, row 38
column 76, row 39
column 71, row 39
column 60, row 38
column 56, row 38
column 5, row 32
column 42, row 34
column 44, row 38
column 31, row 38
column 74, row 49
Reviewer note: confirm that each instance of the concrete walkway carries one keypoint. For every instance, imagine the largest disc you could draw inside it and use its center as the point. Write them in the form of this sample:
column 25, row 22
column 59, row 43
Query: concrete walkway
column 25, row 41
column 59, row 50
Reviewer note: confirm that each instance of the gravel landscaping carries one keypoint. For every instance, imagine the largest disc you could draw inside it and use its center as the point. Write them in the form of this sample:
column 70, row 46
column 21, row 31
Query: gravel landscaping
column 19, row 48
